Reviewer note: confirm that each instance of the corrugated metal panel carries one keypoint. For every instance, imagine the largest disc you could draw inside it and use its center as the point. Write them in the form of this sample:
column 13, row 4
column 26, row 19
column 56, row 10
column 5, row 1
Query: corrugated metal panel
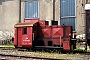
column 67, row 8
column 68, row 21
column 68, row 12
column 31, row 9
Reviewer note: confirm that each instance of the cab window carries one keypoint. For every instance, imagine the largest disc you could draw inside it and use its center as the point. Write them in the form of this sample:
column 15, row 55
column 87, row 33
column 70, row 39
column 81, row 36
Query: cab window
column 24, row 30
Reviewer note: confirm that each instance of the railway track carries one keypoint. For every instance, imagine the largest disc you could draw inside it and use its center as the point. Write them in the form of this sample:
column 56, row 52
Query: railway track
column 23, row 53
column 21, row 49
column 40, row 58
column 8, row 52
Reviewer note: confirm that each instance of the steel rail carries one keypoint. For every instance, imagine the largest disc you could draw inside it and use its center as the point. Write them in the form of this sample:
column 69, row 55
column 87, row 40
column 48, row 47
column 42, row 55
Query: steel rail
column 8, row 55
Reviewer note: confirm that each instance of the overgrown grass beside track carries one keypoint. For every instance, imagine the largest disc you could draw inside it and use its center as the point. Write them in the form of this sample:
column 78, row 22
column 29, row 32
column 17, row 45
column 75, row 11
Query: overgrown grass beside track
column 78, row 50
column 9, row 45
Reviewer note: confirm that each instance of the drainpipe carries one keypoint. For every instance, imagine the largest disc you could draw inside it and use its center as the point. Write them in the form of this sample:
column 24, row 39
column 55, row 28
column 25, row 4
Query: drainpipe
column 53, row 10
column 19, row 11
column 86, row 1
column 85, row 28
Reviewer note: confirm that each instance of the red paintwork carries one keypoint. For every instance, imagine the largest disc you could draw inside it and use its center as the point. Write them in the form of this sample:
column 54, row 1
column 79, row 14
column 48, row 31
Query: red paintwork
column 41, row 22
column 57, row 31
column 46, row 41
column 57, row 40
column 67, row 31
column 66, row 44
column 44, row 31
column 31, row 20
column 15, row 37
column 27, row 38
column 19, row 34
column 56, row 35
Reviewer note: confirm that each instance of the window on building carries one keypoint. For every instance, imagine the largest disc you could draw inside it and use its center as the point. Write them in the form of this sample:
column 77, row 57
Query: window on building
column 31, row 9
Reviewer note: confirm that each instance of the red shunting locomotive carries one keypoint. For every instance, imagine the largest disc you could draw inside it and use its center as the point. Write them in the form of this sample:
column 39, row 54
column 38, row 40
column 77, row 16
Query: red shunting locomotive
column 35, row 33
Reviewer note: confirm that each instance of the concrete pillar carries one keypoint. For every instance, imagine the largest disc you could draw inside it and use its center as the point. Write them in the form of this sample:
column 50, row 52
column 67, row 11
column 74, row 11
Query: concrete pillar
column 57, row 11
column 46, row 10
column 80, row 16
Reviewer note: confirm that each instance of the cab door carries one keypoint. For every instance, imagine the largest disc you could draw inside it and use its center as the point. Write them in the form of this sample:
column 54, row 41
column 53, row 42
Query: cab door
column 27, row 37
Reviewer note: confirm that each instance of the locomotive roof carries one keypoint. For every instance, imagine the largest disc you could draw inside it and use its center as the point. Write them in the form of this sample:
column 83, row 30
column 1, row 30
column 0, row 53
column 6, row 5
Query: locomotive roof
column 24, row 24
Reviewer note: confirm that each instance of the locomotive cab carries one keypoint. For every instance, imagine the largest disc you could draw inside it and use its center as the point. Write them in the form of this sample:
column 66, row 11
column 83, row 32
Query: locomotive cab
column 25, row 34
